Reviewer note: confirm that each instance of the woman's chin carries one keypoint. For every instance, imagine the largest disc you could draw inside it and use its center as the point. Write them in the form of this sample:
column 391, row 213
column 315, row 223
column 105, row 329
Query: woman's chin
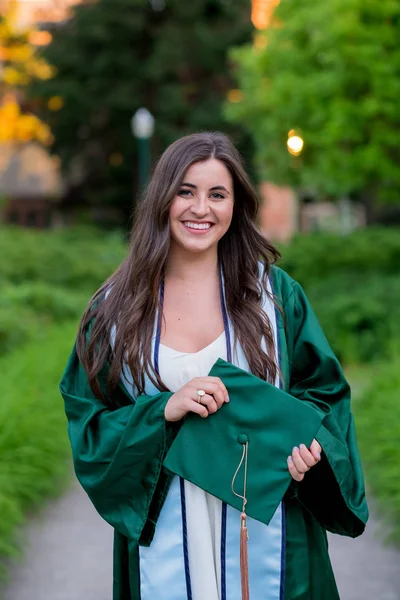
column 196, row 246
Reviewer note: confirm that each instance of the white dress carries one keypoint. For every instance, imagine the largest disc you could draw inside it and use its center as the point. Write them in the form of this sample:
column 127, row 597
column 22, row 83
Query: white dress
column 203, row 511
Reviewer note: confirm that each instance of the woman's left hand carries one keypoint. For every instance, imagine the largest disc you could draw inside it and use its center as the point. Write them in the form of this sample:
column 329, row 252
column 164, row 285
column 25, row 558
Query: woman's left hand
column 302, row 459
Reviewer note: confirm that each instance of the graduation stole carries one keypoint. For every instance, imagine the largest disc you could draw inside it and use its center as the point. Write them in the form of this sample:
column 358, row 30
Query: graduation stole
column 244, row 536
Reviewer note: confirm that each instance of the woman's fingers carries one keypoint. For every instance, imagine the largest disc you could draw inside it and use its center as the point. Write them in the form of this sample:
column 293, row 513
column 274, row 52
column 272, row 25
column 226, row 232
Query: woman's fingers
column 199, row 409
column 293, row 471
column 217, row 394
column 303, row 459
column 210, row 403
column 186, row 399
column 316, row 450
column 299, row 463
column 307, row 456
column 218, row 382
column 213, row 386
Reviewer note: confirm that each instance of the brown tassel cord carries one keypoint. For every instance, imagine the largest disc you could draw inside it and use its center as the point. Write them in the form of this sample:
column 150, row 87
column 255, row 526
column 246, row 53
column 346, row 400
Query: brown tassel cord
column 244, row 560
column 244, row 536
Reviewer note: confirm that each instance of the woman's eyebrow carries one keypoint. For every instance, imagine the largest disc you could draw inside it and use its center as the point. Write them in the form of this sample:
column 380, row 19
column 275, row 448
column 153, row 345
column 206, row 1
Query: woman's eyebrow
column 215, row 187
column 219, row 187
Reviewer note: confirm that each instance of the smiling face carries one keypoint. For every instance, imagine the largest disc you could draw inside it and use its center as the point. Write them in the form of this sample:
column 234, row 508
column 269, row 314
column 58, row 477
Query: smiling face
column 202, row 210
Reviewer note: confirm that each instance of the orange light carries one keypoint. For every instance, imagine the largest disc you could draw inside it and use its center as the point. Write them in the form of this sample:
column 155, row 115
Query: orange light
column 262, row 12
column 234, row 96
column 40, row 38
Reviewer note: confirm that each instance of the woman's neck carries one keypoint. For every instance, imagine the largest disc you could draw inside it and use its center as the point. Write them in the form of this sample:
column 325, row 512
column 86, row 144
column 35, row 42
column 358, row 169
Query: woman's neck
column 190, row 266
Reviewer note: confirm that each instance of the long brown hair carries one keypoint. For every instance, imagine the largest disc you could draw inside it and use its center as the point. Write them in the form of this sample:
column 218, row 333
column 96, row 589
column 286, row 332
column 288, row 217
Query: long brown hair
column 128, row 301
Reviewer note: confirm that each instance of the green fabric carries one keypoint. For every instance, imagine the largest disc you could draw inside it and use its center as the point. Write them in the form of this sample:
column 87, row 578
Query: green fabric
column 269, row 419
column 317, row 379
column 118, row 457
column 118, row 454
column 331, row 496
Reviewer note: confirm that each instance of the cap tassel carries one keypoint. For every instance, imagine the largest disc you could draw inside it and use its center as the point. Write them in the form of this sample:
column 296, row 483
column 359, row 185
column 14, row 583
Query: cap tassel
column 244, row 559
column 244, row 535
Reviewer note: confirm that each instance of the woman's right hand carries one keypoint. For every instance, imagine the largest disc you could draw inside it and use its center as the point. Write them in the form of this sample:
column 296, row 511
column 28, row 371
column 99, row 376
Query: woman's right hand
column 186, row 399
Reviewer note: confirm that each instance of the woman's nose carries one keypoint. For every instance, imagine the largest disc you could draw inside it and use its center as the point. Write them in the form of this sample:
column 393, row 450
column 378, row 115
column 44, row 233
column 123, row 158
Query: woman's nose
column 200, row 206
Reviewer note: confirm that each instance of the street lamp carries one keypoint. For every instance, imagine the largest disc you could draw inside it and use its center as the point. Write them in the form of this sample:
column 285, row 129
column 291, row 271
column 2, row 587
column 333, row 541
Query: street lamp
column 142, row 124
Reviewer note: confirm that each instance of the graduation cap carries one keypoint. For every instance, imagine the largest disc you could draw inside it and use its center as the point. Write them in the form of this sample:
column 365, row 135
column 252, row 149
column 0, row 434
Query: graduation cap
column 239, row 454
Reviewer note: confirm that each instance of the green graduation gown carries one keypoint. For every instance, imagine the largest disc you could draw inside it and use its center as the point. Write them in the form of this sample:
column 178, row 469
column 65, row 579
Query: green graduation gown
column 118, row 457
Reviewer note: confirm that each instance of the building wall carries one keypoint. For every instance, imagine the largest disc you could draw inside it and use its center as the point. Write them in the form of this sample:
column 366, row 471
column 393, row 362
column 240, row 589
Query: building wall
column 278, row 212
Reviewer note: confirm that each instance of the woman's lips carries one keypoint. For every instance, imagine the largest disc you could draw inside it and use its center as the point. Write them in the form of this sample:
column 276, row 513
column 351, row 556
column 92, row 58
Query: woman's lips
column 197, row 231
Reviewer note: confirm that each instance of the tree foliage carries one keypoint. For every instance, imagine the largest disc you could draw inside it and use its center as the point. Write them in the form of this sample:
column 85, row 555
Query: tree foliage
column 331, row 71
column 19, row 63
column 117, row 55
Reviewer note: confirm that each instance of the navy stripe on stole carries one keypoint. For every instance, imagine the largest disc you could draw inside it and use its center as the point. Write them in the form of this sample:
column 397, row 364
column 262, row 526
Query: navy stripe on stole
column 283, row 553
column 223, row 520
column 225, row 319
column 223, row 552
column 185, row 541
column 158, row 331
column 283, row 506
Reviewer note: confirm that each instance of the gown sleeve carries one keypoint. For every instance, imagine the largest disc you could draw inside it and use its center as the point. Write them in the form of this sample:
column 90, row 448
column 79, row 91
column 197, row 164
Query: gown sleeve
column 333, row 490
column 118, row 453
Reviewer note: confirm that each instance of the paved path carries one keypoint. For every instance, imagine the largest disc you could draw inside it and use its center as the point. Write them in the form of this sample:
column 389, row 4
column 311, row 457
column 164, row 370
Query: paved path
column 68, row 556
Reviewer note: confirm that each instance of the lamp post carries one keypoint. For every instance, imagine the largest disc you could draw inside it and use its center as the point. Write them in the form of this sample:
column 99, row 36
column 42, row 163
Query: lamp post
column 142, row 124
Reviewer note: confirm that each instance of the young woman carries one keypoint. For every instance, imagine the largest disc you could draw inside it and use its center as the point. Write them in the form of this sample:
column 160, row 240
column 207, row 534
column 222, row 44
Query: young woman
column 199, row 284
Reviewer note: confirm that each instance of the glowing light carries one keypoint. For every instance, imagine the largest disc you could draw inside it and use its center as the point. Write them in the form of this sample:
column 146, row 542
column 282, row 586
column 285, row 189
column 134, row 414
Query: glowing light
column 40, row 38
column 262, row 12
column 295, row 143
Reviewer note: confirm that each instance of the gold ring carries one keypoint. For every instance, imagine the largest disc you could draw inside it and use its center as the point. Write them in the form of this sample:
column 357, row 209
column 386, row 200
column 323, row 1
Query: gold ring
column 200, row 394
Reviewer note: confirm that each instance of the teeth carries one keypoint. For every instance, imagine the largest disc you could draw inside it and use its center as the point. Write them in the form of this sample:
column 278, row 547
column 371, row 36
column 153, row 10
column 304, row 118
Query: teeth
column 197, row 225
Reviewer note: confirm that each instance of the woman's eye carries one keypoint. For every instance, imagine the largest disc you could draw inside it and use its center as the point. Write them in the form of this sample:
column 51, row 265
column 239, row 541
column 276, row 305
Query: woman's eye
column 184, row 192
column 217, row 196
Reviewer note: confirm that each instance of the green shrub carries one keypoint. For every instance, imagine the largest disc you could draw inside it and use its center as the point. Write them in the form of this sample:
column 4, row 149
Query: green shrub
column 34, row 447
column 16, row 327
column 360, row 314
column 353, row 283
column 311, row 258
column 27, row 308
column 47, row 277
column 377, row 414
column 54, row 303
column 72, row 258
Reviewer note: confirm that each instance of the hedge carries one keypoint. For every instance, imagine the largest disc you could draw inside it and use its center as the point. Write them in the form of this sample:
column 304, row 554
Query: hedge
column 47, row 277
column 34, row 447
column 377, row 414
column 353, row 283
column 313, row 257
column 71, row 258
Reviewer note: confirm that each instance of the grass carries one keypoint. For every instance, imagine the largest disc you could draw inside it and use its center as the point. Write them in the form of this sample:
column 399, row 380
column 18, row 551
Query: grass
column 34, row 447
column 377, row 414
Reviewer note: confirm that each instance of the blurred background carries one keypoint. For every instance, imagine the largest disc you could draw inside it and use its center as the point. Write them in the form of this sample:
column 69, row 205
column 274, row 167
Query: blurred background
column 91, row 93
